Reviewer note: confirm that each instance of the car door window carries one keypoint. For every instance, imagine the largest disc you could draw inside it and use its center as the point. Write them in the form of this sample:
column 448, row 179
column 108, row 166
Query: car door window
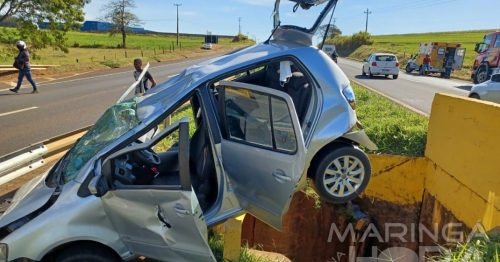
column 258, row 119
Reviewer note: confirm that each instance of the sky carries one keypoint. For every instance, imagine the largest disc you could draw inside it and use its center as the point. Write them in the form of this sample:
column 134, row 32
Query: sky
column 253, row 17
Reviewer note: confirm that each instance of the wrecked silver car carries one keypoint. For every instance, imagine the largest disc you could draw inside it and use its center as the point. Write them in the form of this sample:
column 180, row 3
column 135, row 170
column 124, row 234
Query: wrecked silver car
column 248, row 129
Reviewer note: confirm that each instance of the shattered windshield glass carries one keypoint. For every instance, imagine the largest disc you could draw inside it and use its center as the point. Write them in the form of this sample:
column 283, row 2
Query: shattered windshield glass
column 116, row 121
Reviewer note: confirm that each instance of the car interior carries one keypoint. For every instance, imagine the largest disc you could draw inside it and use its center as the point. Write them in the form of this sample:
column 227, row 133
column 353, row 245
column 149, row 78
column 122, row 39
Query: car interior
column 161, row 167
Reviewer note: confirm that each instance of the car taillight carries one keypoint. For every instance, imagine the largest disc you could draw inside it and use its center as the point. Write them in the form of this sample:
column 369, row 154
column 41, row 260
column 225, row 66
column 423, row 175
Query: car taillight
column 374, row 64
column 397, row 64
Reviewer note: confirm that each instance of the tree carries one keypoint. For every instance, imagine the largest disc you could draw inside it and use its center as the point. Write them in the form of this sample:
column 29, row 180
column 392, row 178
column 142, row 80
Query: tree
column 118, row 14
column 332, row 31
column 61, row 16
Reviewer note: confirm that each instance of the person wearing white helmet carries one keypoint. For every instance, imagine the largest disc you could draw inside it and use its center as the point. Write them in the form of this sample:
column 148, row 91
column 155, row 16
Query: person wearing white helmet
column 22, row 62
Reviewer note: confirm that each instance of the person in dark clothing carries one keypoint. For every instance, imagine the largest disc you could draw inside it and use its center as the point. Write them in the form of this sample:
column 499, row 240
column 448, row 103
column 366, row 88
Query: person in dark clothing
column 334, row 56
column 142, row 87
column 22, row 63
column 448, row 65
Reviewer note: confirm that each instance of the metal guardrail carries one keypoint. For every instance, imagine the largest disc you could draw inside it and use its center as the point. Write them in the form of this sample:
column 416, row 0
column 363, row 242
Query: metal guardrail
column 18, row 163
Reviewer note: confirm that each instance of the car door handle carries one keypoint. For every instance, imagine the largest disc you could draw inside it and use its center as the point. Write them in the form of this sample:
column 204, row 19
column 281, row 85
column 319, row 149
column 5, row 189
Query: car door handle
column 282, row 177
column 181, row 211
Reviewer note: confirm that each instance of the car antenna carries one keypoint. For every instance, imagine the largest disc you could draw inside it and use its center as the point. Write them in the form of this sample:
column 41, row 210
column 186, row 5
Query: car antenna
column 272, row 33
column 328, row 26
column 276, row 21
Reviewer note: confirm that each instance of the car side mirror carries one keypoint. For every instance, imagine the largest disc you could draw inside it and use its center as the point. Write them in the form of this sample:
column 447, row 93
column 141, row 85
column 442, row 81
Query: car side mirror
column 98, row 186
column 495, row 78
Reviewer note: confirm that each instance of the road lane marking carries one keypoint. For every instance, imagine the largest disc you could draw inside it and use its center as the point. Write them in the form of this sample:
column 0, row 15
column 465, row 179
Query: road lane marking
column 18, row 111
column 92, row 77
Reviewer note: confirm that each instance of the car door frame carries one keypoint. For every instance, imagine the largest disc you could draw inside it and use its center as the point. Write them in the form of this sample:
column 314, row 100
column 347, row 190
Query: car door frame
column 102, row 186
column 248, row 202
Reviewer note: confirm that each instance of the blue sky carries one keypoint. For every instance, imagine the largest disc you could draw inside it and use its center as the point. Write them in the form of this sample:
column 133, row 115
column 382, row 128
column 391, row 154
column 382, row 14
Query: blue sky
column 387, row 16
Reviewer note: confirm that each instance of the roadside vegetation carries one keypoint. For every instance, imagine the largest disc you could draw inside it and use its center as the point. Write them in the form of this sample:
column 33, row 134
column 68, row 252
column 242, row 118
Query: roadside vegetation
column 477, row 250
column 405, row 45
column 97, row 51
column 393, row 128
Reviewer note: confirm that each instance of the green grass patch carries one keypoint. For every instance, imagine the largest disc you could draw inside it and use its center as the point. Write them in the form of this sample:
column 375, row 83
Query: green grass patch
column 477, row 250
column 404, row 45
column 393, row 128
column 216, row 243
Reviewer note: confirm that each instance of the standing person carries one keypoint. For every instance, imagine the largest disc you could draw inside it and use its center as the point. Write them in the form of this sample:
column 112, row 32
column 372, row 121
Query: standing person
column 448, row 62
column 427, row 64
column 22, row 63
column 142, row 87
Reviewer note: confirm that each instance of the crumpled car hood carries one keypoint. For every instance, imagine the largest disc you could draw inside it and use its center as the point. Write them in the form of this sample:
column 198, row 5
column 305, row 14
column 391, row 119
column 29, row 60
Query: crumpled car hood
column 28, row 198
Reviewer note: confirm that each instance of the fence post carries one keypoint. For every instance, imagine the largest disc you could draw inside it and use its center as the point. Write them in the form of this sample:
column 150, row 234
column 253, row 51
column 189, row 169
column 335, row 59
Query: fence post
column 142, row 54
column 125, row 54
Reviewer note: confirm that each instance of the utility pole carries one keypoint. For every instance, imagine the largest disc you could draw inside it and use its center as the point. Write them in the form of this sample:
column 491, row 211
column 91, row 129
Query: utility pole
column 367, row 13
column 177, row 23
column 239, row 26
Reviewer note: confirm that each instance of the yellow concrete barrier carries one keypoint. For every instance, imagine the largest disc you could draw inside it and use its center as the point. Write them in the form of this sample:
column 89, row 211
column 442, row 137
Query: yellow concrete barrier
column 231, row 229
column 463, row 144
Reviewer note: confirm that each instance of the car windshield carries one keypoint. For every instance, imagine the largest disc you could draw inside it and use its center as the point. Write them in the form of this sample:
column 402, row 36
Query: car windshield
column 116, row 121
column 385, row 58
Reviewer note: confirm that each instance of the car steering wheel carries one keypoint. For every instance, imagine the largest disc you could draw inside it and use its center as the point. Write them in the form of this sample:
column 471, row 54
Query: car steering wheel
column 148, row 156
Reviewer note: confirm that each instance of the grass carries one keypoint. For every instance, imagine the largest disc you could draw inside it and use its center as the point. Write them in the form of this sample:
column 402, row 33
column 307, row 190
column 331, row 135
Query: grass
column 94, row 51
column 216, row 243
column 404, row 45
column 477, row 250
column 393, row 128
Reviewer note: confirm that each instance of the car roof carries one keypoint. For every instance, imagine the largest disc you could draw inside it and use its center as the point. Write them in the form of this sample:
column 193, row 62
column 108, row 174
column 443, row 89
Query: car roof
column 212, row 68
column 383, row 54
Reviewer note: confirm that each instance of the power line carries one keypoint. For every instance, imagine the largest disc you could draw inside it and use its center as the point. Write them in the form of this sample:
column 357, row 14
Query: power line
column 367, row 13
column 177, row 22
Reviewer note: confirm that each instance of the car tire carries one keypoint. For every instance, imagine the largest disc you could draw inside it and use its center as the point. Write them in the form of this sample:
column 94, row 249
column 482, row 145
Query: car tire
column 481, row 74
column 324, row 182
column 370, row 72
column 408, row 69
column 395, row 76
column 87, row 253
column 363, row 71
column 475, row 96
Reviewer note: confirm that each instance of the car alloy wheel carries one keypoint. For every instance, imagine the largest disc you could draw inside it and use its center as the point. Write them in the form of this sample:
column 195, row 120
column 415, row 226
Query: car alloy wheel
column 481, row 74
column 342, row 174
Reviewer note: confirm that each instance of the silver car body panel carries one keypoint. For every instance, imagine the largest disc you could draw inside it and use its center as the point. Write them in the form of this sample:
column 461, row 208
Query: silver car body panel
column 272, row 176
column 28, row 198
column 70, row 219
column 361, row 138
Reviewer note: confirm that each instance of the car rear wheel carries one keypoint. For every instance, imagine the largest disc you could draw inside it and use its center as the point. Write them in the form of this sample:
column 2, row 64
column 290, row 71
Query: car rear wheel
column 342, row 174
column 363, row 71
column 395, row 76
column 370, row 72
column 87, row 253
column 408, row 69
column 475, row 96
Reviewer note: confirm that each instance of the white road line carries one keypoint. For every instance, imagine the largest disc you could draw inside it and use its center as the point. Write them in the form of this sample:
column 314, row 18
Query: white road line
column 91, row 77
column 18, row 111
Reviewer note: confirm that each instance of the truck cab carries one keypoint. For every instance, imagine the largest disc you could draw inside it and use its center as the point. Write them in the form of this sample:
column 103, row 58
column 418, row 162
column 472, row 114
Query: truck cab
column 487, row 59
column 437, row 51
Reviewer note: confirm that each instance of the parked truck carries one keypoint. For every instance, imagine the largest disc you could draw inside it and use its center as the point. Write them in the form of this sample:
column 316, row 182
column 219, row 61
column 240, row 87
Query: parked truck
column 437, row 51
column 487, row 59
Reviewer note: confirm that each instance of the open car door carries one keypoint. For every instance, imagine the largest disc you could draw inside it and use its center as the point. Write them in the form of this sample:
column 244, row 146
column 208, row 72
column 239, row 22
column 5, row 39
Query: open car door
column 163, row 222
column 459, row 58
column 263, row 151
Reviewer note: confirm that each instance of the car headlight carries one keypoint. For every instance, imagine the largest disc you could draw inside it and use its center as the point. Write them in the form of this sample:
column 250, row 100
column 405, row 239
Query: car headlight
column 349, row 95
column 4, row 250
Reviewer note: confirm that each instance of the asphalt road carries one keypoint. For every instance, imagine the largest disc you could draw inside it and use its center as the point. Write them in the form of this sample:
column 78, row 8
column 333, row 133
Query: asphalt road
column 68, row 104
column 412, row 89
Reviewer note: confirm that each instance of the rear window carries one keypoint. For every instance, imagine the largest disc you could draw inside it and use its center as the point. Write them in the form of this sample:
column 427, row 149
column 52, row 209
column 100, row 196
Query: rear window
column 385, row 58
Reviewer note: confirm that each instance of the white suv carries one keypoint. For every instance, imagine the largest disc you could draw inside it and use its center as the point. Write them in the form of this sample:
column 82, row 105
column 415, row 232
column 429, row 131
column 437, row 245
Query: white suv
column 208, row 46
